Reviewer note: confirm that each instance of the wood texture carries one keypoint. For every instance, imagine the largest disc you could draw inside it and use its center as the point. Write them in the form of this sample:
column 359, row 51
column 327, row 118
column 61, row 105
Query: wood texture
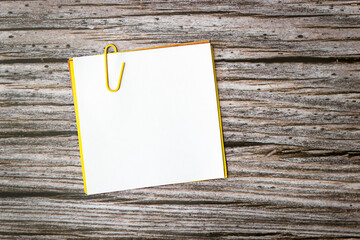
column 289, row 85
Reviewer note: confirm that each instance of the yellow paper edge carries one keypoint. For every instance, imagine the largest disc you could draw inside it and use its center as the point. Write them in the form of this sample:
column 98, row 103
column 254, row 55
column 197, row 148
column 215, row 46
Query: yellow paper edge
column 165, row 46
column 72, row 77
column 219, row 113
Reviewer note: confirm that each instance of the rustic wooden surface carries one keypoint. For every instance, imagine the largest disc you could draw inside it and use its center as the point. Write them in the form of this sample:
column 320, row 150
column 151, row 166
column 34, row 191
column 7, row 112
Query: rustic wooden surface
column 289, row 84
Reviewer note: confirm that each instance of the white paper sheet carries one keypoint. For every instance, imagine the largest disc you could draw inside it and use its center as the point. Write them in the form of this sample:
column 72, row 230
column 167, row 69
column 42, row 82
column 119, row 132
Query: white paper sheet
column 161, row 127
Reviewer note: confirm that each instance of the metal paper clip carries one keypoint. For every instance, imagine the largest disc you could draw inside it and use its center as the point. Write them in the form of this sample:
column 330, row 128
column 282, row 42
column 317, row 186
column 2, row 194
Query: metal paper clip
column 106, row 70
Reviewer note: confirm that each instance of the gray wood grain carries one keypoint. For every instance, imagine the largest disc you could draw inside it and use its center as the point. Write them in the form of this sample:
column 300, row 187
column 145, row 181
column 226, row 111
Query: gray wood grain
column 289, row 85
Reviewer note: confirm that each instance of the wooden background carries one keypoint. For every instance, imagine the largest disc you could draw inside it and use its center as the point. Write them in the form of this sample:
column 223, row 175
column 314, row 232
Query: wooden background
column 289, row 84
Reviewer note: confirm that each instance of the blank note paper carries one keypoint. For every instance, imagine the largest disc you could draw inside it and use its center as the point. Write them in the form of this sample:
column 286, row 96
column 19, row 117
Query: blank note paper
column 162, row 126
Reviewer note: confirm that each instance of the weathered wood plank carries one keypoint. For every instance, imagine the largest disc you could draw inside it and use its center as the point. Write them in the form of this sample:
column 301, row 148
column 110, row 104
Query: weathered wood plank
column 289, row 84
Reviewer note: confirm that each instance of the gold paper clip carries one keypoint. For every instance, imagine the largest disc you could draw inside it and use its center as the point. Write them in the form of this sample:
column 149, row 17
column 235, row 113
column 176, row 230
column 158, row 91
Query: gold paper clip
column 106, row 69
